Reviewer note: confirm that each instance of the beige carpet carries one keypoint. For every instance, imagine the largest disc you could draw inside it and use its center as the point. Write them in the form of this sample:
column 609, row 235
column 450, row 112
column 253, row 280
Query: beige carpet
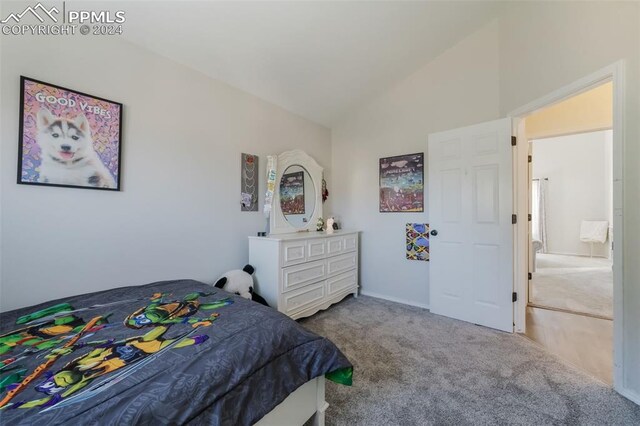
column 579, row 284
column 412, row 367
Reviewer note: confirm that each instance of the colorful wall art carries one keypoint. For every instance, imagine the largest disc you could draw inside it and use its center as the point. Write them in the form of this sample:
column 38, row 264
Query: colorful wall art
column 402, row 183
column 417, row 241
column 292, row 193
column 68, row 138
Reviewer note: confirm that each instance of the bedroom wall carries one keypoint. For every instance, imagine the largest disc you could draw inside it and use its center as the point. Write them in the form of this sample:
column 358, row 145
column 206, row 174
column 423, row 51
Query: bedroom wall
column 458, row 88
column 535, row 49
column 544, row 46
column 577, row 188
column 178, row 215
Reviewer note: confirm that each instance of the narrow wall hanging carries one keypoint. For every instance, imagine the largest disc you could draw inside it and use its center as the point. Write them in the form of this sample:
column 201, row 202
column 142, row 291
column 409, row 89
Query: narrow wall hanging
column 417, row 241
column 249, row 183
column 68, row 138
column 402, row 183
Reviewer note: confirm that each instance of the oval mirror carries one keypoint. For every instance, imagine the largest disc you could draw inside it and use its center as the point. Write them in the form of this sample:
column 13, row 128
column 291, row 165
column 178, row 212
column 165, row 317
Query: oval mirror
column 297, row 196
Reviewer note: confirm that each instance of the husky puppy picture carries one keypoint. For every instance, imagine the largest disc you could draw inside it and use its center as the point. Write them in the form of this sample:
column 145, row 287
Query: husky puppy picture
column 68, row 138
column 67, row 153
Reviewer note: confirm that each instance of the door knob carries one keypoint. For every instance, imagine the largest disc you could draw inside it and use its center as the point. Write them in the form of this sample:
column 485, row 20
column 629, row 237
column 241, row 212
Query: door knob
column 434, row 232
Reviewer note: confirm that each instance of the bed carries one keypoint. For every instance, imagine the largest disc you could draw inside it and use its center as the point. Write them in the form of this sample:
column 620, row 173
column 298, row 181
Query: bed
column 172, row 352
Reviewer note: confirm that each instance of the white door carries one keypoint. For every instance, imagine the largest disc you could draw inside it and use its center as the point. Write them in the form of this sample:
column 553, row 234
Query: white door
column 470, row 214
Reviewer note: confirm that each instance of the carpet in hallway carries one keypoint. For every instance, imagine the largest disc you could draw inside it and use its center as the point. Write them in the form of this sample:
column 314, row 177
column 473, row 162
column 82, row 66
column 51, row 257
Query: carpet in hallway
column 575, row 283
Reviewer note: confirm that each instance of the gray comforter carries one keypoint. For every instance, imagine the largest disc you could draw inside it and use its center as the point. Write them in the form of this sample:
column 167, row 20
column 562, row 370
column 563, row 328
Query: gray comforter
column 171, row 352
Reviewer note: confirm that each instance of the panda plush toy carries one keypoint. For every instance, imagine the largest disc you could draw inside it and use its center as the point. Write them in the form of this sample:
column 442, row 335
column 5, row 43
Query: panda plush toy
column 240, row 282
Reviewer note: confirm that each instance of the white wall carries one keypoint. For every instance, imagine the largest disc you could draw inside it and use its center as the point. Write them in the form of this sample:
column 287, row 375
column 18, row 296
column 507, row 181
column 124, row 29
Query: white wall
column 546, row 45
column 578, row 188
column 460, row 87
column 178, row 215
column 537, row 48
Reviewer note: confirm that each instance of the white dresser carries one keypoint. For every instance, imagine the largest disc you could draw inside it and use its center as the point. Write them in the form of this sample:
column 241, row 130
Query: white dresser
column 302, row 273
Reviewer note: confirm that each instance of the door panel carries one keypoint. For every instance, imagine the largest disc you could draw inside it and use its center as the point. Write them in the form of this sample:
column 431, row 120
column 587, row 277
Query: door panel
column 485, row 194
column 451, row 190
column 470, row 189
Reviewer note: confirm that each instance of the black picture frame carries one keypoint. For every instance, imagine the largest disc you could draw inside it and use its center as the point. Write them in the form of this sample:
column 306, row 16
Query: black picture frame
column 21, row 138
column 419, row 195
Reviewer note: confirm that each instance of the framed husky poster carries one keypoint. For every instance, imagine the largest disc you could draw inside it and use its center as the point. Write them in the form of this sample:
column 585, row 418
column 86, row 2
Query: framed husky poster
column 402, row 183
column 68, row 138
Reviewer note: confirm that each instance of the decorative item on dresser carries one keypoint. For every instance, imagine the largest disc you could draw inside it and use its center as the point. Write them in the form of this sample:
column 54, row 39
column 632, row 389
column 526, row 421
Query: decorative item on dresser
column 300, row 274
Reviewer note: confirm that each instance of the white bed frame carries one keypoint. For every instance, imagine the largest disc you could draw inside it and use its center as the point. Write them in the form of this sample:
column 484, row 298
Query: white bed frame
column 305, row 402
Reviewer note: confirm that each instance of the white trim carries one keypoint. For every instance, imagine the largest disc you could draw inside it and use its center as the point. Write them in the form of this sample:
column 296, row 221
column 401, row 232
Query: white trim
column 521, row 233
column 629, row 394
column 394, row 299
column 297, row 157
column 595, row 256
column 582, row 85
column 615, row 73
column 302, row 404
column 321, row 404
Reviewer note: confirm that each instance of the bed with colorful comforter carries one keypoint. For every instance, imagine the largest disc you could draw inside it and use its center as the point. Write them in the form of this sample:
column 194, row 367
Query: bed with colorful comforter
column 164, row 353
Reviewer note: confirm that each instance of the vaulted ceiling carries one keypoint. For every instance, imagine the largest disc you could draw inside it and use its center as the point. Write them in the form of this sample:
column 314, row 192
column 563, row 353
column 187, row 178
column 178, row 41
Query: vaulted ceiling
column 317, row 59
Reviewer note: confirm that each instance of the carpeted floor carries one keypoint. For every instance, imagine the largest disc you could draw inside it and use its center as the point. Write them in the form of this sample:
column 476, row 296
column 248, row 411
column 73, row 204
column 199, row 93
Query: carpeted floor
column 575, row 283
column 415, row 368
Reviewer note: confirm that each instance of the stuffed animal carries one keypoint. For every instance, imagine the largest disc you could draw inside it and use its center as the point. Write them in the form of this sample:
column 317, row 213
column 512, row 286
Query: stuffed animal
column 240, row 282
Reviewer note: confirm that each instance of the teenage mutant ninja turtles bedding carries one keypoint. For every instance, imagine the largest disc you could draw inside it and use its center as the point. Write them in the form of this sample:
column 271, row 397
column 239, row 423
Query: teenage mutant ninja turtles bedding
column 169, row 352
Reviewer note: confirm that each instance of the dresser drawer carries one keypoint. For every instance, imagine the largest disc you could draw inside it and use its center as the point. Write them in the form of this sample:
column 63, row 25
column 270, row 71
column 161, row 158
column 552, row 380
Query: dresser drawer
column 342, row 244
column 316, row 249
column 294, row 252
column 335, row 245
column 342, row 263
column 341, row 282
column 303, row 298
column 303, row 274
column 350, row 242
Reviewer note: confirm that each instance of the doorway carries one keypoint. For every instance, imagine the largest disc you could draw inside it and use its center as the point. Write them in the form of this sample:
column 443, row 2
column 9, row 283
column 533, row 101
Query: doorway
column 476, row 198
column 570, row 284
column 571, row 221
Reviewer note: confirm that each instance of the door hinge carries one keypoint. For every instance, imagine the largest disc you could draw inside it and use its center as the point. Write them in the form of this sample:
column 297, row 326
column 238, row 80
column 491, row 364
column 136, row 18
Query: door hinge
column 529, row 217
column 530, row 159
column 514, row 140
column 514, row 297
column 514, row 219
column 530, row 276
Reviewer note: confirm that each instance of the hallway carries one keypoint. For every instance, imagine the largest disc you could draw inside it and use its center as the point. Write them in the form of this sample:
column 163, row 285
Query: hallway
column 585, row 342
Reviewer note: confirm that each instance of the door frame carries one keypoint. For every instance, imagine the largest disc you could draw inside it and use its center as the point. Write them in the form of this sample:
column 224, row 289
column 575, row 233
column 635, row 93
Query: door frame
column 616, row 74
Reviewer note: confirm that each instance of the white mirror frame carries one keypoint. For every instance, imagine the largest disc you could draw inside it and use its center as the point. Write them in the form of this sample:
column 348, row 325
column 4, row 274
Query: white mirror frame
column 297, row 157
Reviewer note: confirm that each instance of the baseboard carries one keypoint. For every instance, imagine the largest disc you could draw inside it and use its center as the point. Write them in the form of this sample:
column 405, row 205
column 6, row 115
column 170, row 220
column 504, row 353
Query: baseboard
column 630, row 395
column 394, row 299
column 575, row 254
